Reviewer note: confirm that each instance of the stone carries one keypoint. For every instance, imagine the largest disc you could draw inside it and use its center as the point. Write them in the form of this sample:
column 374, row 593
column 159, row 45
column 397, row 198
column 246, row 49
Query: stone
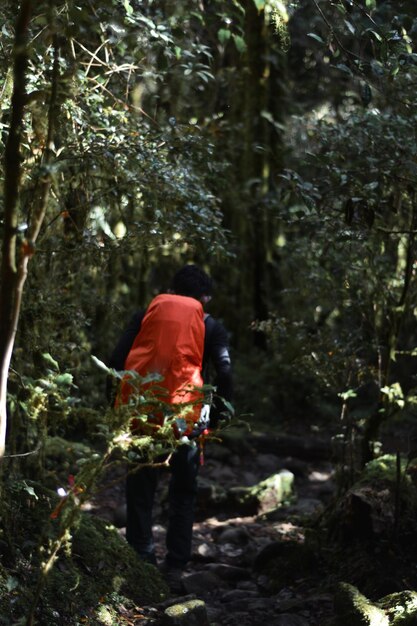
column 354, row 609
column 304, row 507
column 270, row 463
column 189, row 613
column 236, row 535
column 238, row 594
column 228, row 572
column 207, row 552
column 401, row 608
column 200, row 582
column 266, row 495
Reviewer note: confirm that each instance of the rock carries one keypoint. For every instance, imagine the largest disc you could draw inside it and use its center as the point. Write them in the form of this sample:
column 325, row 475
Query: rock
column 249, row 585
column 228, row 572
column 367, row 511
column 221, row 473
column 200, row 582
column 265, row 496
column 270, row 463
column 303, row 507
column 189, row 613
column 210, row 495
column 354, row 609
column 236, row 535
column 401, row 608
column 280, row 561
column 299, row 468
column 207, row 552
column 238, row 594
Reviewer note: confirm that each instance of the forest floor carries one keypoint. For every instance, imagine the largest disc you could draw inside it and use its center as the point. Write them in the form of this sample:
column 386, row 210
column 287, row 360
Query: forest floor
column 249, row 567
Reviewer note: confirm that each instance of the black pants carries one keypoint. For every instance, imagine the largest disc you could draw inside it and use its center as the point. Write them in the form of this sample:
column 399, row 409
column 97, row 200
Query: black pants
column 140, row 493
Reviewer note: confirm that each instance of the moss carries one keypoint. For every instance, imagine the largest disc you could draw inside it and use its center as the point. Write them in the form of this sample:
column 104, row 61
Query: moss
column 401, row 608
column 354, row 609
column 191, row 612
column 266, row 495
column 102, row 562
column 383, row 468
column 84, row 582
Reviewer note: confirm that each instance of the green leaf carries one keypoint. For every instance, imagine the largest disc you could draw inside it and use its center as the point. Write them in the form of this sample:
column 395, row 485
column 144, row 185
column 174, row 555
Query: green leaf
column 374, row 33
column 64, row 379
column 11, row 583
column 260, row 4
column 239, row 43
column 128, row 7
column 223, row 35
column 344, row 68
column 51, row 361
column 29, row 490
column 316, row 37
column 350, row 26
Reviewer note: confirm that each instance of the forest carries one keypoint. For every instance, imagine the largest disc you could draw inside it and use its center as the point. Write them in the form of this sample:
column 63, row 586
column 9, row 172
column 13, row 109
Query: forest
column 273, row 144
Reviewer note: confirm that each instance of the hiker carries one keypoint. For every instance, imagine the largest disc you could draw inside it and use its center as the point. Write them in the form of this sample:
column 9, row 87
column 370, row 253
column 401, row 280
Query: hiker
column 206, row 339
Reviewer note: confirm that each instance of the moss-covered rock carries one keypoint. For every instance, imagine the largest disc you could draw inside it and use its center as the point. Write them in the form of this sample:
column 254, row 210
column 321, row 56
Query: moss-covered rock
column 379, row 504
column 354, row 609
column 383, row 469
column 95, row 563
column 266, row 495
column 190, row 613
column 101, row 562
column 401, row 608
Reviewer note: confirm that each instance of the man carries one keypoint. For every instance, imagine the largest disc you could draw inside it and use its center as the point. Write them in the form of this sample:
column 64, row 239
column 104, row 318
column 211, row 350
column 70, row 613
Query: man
column 189, row 282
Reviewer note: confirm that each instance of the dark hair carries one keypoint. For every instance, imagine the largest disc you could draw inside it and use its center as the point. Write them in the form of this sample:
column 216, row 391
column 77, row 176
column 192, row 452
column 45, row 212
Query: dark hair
column 192, row 281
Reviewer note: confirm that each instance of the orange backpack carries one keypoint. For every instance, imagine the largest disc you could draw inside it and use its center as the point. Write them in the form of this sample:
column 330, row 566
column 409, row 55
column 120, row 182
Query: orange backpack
column 170, row 343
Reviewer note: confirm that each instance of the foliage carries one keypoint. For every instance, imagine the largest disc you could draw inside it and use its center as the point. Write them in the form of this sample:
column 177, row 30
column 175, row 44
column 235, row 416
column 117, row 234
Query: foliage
column 285, row 166
column 349, row 217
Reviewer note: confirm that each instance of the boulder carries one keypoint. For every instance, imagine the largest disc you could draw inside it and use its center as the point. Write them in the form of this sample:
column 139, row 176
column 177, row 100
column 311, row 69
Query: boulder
column 200, row 582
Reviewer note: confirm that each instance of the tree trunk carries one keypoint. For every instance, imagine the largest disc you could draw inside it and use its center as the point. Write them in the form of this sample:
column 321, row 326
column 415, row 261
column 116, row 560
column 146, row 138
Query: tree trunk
column 15, row 261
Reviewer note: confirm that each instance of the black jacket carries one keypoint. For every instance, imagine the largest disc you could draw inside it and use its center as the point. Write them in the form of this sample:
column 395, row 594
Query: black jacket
column 216, row 356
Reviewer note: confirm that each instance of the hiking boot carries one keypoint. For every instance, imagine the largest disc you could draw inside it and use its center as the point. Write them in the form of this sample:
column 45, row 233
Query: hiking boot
column 172, row 577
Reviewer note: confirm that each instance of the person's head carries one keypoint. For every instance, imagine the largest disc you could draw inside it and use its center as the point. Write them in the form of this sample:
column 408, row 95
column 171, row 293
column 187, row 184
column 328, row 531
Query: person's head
column 191, row 281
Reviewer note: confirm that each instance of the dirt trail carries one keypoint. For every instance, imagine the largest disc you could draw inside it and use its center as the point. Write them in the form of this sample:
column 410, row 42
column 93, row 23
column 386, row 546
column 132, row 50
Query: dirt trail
column 245, row 567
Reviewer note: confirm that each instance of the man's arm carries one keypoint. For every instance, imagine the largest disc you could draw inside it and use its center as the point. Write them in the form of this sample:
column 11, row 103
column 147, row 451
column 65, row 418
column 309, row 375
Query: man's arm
column 216, row 352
